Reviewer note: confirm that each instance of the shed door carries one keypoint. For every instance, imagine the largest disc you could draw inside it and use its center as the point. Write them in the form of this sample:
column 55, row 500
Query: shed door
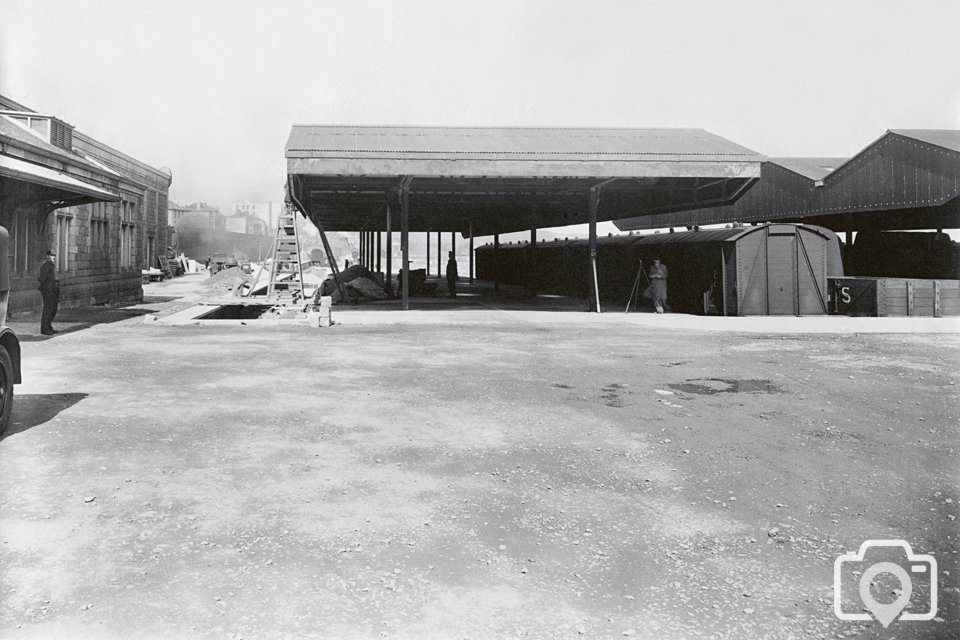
column 781, row 274
column 811, row 273
column 751, row 252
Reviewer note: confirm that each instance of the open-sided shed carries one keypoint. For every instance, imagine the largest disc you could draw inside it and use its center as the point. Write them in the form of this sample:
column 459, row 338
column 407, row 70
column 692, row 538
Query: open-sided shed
column 491, row 180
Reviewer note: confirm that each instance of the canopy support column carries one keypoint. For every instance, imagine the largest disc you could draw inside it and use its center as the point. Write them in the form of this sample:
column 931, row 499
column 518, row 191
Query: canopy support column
column 360, row 247
column 428, row 253
column 532, row 282
column 405, row 240
column 471, row 252
column 439, row 255
column 389, row 274
column 496, row 262
column 379, row 251
column 592, row 289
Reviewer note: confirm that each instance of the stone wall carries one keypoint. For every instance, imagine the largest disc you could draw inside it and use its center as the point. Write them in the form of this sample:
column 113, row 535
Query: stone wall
column 101, row 247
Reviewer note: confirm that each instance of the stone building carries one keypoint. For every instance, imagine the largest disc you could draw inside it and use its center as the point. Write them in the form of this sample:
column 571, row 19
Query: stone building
column 269, row 212
column 175, row 213
column 102, row 211
column 203, row 215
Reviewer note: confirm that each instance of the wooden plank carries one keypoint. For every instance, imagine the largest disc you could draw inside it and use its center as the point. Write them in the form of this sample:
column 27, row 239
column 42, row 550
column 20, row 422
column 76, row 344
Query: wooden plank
column 948, row 310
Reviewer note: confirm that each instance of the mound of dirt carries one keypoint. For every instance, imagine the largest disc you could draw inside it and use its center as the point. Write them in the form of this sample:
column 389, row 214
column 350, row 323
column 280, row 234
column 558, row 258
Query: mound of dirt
column 360, row 283
column 225, row 281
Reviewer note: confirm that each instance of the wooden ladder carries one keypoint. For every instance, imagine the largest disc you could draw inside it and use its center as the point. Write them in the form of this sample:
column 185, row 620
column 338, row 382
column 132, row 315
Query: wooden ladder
column 286, row 271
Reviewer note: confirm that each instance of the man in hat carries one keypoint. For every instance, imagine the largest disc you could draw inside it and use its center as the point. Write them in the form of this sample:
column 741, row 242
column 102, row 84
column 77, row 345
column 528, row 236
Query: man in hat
column 50, row 290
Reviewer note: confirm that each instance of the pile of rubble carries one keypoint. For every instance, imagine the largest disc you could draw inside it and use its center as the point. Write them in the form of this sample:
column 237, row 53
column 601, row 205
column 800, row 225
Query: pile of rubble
column 225, row 281
column 360, row 284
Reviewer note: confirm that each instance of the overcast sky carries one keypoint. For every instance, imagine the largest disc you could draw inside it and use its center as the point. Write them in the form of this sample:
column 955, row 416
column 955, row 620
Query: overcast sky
column 211, row 89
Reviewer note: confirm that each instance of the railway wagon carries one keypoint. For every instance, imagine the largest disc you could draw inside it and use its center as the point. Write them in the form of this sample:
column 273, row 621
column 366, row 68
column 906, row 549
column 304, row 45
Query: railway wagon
column 772, row 269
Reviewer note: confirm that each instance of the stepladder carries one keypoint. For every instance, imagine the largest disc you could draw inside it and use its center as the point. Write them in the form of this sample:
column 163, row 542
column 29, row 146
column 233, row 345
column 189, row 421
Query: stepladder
column 285, row 268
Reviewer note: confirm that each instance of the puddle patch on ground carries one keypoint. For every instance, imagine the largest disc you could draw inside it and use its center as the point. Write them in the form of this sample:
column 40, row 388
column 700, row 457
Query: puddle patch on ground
column 711, row 386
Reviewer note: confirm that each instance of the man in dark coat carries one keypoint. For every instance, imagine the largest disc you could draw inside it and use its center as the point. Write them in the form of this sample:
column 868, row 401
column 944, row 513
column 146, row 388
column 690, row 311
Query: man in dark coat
column 452, row 275
column 50, row 290
column 658, row 285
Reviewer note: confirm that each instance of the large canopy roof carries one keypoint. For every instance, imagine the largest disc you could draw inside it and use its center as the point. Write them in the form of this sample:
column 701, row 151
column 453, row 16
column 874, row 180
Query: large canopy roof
column 497, row 180
column 907, row 179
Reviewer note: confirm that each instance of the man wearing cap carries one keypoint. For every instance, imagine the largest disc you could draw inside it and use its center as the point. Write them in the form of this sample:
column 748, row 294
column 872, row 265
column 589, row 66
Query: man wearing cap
column 50, row 290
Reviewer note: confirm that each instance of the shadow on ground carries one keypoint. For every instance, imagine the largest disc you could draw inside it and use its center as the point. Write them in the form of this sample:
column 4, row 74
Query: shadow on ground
column 158, row 299
column 78, row 319
column 35, row 409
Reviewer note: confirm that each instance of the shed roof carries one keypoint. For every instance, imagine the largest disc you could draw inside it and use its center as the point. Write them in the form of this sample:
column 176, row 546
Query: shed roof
column 528, row 143
column 503, row 179
column 906, row 179
column 703, row 236
column 946, row 138
column 812, row 168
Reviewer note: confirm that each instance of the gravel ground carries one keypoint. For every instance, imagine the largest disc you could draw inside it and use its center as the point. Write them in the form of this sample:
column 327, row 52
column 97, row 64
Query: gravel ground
column 497, row 478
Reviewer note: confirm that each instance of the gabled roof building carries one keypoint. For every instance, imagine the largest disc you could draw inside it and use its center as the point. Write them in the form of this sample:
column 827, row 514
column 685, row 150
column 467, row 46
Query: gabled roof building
column 908, row 179
column 102, row 211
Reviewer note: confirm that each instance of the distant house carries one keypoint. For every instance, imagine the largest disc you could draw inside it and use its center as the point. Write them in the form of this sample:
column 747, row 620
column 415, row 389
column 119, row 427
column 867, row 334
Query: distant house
column 175, row 213
column 204, row 215
column 246, row 224
column 269, row 212
column 256, row 227
column 102, row 211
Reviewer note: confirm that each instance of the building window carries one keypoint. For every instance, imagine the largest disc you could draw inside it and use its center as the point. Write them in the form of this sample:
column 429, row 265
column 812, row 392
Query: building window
column 64, row 224
column 19, row 246
column 99, row 226
column 128, row 247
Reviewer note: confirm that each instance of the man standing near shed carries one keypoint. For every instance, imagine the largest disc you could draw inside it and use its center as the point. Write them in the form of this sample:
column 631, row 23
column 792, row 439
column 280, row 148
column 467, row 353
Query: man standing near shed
column 658, row 285
column 50, row 290
column 452, row 275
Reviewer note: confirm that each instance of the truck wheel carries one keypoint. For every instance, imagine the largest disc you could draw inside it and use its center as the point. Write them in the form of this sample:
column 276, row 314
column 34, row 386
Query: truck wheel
column 6, row 389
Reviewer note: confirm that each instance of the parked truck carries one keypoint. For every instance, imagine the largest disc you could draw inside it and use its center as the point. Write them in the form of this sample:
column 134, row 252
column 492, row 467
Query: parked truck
column 9, row 343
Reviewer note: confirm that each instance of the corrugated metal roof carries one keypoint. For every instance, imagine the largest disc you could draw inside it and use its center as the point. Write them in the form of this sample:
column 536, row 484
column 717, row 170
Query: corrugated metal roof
column 513, row 142
column 813, row 168
column 946, row 138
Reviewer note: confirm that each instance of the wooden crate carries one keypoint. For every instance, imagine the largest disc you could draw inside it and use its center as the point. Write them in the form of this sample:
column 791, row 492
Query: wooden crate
column 895, row 297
